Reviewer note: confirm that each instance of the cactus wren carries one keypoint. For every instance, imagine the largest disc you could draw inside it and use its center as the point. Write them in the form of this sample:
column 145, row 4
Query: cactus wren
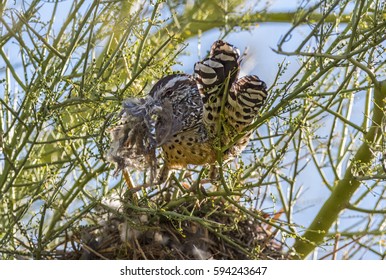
column 189, row 116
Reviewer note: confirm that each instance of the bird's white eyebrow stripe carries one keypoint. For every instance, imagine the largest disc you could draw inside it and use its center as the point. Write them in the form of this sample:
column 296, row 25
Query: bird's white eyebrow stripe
column 170, row 84
column 175, row 80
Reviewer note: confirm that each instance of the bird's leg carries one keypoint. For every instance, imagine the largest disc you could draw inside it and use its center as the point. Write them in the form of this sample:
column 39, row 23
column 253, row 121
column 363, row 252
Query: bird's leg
column 130, row 194
column 161, row 178
column 127, row 178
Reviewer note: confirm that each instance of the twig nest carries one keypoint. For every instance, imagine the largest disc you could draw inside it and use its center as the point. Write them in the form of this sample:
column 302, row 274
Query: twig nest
column 205, row 229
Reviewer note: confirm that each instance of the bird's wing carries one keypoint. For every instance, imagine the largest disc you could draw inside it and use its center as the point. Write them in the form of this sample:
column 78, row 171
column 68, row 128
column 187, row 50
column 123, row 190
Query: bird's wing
column 180, row 94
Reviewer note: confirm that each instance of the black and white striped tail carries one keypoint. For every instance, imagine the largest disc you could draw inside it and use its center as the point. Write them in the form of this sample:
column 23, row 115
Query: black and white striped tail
column 214, row 77
column 245, row 98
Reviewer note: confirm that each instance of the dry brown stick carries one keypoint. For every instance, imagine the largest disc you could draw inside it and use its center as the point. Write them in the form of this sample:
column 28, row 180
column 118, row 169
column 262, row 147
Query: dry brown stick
column 338, row 249
column 140, row 249
column 91, row 250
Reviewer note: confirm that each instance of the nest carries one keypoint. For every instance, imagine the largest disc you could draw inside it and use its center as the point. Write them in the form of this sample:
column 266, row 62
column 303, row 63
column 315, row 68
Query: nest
column 183, row 229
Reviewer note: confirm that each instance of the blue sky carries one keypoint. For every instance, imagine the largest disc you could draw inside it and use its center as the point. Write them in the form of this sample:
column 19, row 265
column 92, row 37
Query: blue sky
column 263, row 62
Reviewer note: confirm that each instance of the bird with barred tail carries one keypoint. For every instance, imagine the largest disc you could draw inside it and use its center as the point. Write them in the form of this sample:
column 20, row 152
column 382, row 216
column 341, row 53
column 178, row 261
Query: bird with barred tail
column 188, row 115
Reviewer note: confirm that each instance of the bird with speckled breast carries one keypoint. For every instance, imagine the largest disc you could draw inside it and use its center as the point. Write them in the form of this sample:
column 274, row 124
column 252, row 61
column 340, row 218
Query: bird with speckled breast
column 187, row 116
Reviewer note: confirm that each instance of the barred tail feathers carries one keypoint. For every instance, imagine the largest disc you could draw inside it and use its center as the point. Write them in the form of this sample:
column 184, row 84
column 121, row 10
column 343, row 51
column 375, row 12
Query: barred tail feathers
column 211, row 74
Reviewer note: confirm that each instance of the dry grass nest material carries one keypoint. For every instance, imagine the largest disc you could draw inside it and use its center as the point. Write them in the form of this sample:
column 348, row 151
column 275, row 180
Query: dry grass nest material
column 184, row 228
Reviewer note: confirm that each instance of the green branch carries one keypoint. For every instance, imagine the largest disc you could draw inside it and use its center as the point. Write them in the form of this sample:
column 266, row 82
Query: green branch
column 194, row 26
column 345, row 188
